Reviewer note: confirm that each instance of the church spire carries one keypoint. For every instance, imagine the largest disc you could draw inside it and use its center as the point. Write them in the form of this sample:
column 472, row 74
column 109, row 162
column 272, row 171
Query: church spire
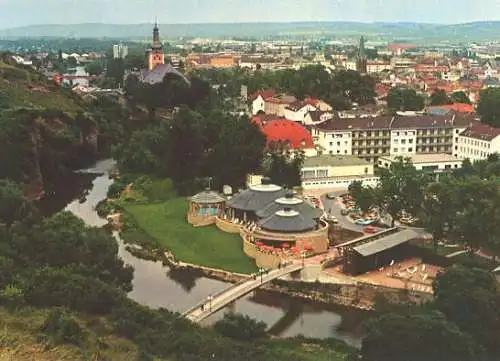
column 362, row 61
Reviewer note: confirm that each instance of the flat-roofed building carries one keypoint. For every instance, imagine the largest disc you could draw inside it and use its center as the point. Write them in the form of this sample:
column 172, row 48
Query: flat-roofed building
column 435, row 163
column 336, row 171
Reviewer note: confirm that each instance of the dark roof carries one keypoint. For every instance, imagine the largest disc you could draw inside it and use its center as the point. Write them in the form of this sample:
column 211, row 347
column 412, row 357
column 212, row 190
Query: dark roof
column 386, row 242
column 158, row 73
column 294, row 203
column 337, row 123
column 450, row 119
column 207, row 197
column 287, row 221
column 316, row 115
column 398, row 122
column 256, row 197
column 481, row 132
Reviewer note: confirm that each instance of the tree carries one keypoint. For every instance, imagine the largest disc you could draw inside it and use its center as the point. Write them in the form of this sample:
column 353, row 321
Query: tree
column 15, row 207
column 284, row 166
column 401, row 188
column 417, row 337
column 94, row 68
column 404, row 99
column 364, row 197
column 440, row 208
column 135, row 60
column 439, row 97
column 489, row 107
column 471, row 299
column 241, row 328
column 72, row 62
column 460, row 97
column 115, row 69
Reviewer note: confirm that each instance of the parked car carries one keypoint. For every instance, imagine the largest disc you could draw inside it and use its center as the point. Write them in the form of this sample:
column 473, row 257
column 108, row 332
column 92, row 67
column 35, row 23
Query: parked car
column 331, row 196
column 344, row 212
column 370, row 229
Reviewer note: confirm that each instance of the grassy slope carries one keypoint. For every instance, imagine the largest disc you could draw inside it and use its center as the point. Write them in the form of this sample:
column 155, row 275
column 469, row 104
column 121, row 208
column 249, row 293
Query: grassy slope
column 207, row 246
column 19, row 333
column 22, row 87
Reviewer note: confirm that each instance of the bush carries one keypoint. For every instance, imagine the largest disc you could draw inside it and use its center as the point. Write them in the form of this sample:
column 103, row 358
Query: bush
column 60, row 327
column 116, row 189
column 241, row 328
column 47, row 287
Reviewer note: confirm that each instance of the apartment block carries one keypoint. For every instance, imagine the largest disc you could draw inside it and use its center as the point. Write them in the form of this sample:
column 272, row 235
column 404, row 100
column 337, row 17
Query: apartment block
column 374, row 137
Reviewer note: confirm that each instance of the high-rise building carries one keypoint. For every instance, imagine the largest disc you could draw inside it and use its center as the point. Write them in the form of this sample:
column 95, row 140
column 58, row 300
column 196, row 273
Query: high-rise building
column 120, row 51
column 156, row 55
column 362, row 60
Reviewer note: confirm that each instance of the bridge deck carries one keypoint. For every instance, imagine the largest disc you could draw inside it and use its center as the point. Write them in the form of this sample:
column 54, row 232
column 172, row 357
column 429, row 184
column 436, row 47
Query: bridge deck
column 197, row 314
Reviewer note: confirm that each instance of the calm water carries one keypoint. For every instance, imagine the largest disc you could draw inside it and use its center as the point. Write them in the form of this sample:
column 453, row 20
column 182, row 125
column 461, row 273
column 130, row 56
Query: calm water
column 157, row 286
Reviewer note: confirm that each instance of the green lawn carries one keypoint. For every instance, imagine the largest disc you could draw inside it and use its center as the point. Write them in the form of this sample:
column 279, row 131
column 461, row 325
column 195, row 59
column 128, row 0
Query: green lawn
column 207, row 246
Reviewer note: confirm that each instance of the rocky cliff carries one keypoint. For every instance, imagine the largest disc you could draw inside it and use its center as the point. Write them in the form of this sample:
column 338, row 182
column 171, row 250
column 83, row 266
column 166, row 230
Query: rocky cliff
column 45, row 131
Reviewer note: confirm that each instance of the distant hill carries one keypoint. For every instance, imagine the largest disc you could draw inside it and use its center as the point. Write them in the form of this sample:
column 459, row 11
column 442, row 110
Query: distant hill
column 418, row 32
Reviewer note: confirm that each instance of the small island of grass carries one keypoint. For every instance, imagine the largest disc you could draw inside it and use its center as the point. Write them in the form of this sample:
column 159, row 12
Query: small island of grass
column 166, row 223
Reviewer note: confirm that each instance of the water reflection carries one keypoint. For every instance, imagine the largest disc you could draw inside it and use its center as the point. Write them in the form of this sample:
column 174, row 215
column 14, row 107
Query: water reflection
column 157, row 286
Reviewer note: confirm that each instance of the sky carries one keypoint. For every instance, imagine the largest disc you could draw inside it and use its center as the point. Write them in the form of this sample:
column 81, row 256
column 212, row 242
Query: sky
column 15, row 13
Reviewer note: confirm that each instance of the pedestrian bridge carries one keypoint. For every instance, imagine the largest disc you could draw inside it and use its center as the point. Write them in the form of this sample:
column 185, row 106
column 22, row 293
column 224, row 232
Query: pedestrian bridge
column 218, row 301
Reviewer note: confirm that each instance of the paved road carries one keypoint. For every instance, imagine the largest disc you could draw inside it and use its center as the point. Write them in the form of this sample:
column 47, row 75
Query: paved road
column 334, row 206
column 345, row 222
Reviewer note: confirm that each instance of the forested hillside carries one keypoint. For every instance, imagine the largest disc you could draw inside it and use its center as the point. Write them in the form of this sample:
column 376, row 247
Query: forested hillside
column 46, row 130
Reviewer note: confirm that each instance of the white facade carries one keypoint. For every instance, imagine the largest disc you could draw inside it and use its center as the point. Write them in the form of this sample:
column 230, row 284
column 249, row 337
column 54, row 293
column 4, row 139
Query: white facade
column 258, row 105
column 308, row 120
column 476, row 149
column 339, row 183
column 377, row 67
column 334, row 143
column 120, row 51
column 300, row 114
column 404, row 141
column 436, row 163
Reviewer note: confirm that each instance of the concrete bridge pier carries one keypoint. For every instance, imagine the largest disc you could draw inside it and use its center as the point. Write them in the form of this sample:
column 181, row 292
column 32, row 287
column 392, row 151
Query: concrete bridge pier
column 310, row 273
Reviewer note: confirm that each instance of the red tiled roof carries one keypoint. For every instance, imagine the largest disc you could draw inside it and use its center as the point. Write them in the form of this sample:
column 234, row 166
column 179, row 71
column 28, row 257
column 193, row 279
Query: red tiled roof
column 287, row 131
column 481, row 132
column 264, row 93
column 299, row 104
column 458, row 107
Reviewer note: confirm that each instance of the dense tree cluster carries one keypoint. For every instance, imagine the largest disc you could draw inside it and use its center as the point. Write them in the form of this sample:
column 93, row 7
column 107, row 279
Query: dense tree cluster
column 404, row 99
column 460, row 206
column 462, row 323
column 339, row 88
column 193, row 146
column 489, row 107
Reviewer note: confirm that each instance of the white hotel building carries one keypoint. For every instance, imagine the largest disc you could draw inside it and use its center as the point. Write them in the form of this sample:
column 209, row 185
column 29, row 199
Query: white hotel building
column 477, row 142
column 373, row 137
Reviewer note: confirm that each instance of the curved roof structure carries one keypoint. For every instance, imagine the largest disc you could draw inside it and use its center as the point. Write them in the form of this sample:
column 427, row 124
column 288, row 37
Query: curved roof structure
column 292, row 202
column 256, row 197
column 207, row 197
column 287, row 221
column 158, row 73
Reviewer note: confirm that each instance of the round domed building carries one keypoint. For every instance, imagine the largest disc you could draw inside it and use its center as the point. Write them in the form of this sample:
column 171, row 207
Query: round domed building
column 244, row 204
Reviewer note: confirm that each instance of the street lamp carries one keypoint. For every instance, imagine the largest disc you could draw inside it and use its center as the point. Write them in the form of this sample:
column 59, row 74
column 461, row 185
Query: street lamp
column 261, row 272
column 210, row 298
column 303, row 255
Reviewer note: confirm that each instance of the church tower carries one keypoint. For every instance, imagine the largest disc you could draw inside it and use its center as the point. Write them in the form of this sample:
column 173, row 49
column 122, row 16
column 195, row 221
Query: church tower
column 362, row 60
column 156, row 55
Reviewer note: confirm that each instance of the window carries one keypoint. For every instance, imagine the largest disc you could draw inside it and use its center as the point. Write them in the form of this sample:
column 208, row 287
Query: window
column 395, row 150
column 410, row 141
column 410, row 150
column 396, row 141
column 338, row 144
column 447, row 166
column 403, row 141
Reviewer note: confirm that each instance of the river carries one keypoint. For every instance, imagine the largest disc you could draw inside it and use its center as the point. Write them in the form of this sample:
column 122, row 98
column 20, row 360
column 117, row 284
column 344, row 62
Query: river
column 157, row 286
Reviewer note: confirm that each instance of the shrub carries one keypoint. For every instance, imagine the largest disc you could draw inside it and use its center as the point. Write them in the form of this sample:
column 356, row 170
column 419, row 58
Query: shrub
column 241, row 327
column 59, row 327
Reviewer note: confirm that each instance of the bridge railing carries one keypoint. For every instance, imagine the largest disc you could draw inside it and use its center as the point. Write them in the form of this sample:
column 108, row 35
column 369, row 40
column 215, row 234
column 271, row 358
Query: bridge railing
column 215, row 295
